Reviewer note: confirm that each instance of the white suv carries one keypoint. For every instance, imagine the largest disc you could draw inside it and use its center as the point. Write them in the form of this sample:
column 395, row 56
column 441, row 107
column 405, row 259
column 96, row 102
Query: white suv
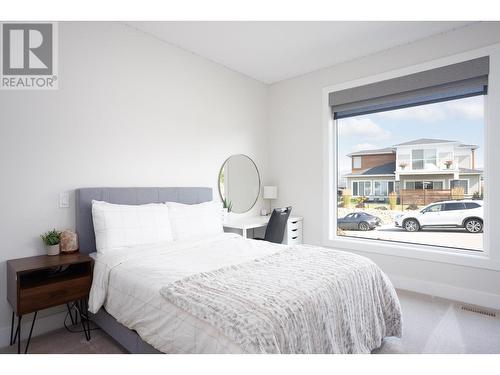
column 466, row 214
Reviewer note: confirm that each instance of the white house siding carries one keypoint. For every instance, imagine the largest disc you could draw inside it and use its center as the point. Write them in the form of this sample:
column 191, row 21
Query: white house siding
column 463, row 157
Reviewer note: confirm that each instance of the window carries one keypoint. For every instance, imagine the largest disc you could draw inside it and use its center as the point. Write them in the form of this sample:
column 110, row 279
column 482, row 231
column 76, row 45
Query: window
column 454, row 206
column 436, row 185
column 419, row 133
column 424, row 181
column 471, row 205
column 435, row 208
column 380, row 188
column 464, row 184
column 361, row 188
column 356, row 162
column 421, row 185
column 417, row 159
column 424, row 159
column 390, row 186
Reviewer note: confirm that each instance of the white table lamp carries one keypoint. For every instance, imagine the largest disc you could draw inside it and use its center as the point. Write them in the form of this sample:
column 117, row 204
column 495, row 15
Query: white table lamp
column 270, row 192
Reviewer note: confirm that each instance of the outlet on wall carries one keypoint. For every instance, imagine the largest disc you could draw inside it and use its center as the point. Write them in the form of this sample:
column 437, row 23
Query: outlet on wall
column 64, row 200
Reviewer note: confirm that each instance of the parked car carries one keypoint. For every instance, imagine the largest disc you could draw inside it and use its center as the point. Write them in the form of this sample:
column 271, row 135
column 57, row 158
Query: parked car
column 358, row 221
column 467, row 214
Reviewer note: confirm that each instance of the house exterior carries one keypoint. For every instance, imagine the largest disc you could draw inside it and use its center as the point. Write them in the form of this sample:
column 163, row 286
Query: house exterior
column 430, row 164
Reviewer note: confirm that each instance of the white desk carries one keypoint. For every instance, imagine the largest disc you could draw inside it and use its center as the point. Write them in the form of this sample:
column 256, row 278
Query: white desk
column 293, row 230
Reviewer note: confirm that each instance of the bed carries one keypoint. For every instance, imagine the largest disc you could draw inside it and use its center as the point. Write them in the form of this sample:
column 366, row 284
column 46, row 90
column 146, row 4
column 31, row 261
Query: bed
column 226, row 294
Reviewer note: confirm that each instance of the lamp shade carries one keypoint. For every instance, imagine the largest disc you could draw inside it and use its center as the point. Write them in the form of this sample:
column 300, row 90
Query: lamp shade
column 270, row 192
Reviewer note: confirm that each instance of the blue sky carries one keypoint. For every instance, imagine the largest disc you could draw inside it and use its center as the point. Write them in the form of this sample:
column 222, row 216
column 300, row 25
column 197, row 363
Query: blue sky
column 461, row 120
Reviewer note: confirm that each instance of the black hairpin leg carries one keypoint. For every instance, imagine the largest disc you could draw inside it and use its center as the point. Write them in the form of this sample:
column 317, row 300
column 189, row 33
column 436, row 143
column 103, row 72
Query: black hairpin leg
column 15, row 335
column 19, row 334
column 31, row 331
column 83, row 318
column 12, row 329
column 76, row 313
column 70, row 314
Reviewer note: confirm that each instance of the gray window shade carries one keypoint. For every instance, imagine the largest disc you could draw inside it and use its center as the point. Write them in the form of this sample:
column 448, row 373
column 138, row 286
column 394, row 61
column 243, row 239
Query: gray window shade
column 455, row 81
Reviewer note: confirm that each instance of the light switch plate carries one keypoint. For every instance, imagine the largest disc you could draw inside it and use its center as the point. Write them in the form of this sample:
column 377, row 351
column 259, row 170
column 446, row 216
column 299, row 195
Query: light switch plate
column 64, row 200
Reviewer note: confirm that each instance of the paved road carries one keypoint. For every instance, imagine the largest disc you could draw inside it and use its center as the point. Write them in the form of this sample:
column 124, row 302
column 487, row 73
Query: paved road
column 441, row 237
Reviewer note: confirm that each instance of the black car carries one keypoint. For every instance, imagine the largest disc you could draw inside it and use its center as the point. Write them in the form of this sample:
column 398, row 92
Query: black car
column 358, row 221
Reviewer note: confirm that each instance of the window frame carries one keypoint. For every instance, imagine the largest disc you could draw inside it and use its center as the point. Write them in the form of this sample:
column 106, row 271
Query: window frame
column 487, row 259
column 462, row 179
column 364, row 187
column 357, row 158
column 443, row 182
column 424, row 158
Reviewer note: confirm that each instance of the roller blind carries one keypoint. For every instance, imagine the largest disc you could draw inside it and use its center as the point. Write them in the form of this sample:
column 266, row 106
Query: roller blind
column 468, row 78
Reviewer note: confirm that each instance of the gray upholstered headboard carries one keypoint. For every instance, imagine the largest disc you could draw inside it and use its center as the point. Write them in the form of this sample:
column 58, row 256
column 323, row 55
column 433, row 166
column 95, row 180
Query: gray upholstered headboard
column 140, row 195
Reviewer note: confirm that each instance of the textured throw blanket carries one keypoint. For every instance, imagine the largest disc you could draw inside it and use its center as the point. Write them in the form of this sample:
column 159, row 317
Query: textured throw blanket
column 303, row 299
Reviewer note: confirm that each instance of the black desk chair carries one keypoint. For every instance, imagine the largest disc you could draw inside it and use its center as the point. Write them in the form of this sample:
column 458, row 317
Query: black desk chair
column 277, row 223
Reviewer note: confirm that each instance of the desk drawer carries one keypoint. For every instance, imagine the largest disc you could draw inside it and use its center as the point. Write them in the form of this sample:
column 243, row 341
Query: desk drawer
column 295, row 224
column 295, row 242
column 293, row 235
column 54, row 293
column 294, row 239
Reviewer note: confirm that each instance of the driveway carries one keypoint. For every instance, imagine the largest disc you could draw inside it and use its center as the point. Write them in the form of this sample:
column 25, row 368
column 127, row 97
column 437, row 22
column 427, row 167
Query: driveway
column 440, row 237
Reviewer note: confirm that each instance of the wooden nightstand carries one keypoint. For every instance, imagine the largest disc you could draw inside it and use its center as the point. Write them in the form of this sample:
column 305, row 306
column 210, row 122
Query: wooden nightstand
column 40, row 282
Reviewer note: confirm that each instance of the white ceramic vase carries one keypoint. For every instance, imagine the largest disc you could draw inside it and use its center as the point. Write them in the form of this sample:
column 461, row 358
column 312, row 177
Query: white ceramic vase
column 52, row 249
column 225, row 214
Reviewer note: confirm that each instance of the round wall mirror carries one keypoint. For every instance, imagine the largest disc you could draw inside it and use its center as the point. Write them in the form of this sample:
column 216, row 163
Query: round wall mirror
column 239, row 183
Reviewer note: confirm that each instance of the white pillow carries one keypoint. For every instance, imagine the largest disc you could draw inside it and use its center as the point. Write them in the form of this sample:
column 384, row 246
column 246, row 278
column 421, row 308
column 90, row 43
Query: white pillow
column 117, row 225
column 194, row 220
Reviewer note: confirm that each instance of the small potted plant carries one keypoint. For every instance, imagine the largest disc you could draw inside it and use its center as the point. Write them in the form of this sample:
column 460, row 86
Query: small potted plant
column 51, row 240
column 402, row 165
column 448, row 163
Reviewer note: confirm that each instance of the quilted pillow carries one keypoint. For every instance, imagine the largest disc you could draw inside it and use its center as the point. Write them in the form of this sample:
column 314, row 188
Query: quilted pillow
column 118, row 226
column 194, row 220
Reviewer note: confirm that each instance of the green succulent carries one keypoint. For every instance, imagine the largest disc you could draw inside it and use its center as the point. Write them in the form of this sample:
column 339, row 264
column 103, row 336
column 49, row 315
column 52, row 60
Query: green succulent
column 51, row 238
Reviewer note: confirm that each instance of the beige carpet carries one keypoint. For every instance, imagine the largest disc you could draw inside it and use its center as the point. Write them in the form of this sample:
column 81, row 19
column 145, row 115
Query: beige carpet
column 430, row 325
column 435, row 325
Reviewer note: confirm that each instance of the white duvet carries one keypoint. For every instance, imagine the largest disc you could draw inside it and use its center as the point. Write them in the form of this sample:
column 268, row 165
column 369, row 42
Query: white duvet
column 127, row 284
column 142, row 287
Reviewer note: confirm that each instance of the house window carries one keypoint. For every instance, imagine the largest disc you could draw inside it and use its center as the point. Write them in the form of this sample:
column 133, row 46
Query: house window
column 436, row 185
column 424, row 185
column 424, row 159
column 464, row 184
column 356, row 162
column 390, row 187
column 361, row 188
column 380, row 188
column 420, row 139
column 417, row 159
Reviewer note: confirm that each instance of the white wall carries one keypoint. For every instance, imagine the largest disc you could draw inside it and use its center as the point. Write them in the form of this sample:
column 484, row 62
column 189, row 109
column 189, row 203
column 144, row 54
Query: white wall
column 131, row 110
column 296, row 123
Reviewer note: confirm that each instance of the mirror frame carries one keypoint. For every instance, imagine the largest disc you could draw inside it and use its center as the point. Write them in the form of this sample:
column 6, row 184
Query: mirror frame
column 258, row 176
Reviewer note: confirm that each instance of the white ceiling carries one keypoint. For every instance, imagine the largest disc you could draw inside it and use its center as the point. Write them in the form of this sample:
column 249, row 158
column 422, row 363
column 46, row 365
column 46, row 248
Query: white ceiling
column 274, row 51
